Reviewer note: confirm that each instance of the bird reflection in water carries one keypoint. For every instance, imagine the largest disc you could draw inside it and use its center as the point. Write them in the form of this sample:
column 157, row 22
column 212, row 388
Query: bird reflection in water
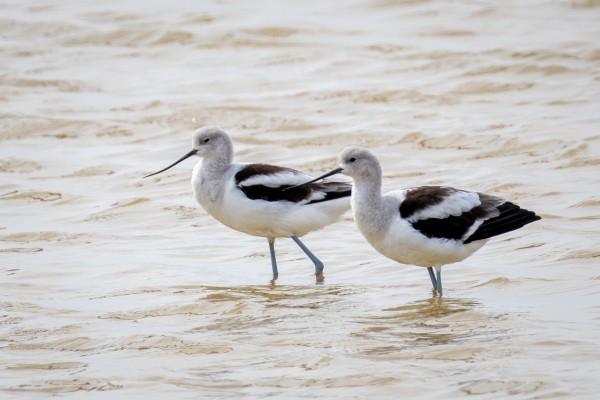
column 435, row 307
column 433, row 321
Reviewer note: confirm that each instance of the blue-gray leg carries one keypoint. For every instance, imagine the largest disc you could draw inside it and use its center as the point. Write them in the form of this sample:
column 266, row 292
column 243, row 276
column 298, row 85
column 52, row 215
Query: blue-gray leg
column 273, row 260
column 318, row 264
column 438, row 270
column 432, row 277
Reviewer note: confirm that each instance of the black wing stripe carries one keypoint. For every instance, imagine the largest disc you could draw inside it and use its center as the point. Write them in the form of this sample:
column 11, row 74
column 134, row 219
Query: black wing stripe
column 452, row 227
column 498, row 229
column 261, row 192
column 513, row 220
column 511, row 217
column 295, row 195
column 338, row 194
column 332, row 190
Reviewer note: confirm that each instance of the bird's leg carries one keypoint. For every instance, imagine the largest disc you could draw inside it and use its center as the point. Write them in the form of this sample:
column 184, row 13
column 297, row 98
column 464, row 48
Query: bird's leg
column 318, row 264
column 432, row 276
column 273, row 259
column 438, row 270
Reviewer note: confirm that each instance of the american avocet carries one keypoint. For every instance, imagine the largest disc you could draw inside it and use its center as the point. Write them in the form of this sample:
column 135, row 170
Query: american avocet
column 427, row 226
column 249, row 197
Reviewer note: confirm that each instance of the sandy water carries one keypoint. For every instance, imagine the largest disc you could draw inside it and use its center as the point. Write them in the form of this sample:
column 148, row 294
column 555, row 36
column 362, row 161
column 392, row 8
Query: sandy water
column 113, row 284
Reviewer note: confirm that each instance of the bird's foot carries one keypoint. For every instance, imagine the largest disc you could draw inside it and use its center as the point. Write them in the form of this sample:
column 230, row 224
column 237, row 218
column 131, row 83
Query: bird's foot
column 320, row 277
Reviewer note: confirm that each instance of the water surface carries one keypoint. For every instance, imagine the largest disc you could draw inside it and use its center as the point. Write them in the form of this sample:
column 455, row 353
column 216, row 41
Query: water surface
column 113, row 283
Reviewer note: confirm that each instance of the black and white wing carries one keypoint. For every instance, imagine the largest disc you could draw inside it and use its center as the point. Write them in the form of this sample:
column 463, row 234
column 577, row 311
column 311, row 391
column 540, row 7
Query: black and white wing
column 266, row 182
column 448, row 213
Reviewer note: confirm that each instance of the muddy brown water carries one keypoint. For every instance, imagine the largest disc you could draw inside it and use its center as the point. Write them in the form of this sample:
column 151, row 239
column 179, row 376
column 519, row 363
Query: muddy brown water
column 110, row 283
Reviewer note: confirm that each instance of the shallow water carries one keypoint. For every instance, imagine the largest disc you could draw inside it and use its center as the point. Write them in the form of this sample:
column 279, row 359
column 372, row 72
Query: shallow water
column 113, row 283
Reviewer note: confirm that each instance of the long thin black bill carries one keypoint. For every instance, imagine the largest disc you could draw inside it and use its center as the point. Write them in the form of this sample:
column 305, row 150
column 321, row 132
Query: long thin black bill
column 335, row 171
column 188, row 155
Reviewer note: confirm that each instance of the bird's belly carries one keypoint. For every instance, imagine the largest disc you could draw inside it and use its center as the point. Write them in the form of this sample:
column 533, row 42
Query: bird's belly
column 406, row 245
column 269, row 218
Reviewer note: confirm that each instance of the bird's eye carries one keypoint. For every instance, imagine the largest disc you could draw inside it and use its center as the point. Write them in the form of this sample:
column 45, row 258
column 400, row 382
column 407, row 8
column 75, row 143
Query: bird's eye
column 352, row 159
column 206, row 140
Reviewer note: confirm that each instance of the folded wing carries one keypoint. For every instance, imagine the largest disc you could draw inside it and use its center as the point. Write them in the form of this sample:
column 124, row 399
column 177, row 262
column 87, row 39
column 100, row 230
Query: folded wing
column 448, row 213
column 266, row 182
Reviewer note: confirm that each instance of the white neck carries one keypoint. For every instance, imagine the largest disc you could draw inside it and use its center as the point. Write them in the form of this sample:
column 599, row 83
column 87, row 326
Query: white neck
column 366, row 193
column 368, row 206
column 210, row 174
column 221, row 160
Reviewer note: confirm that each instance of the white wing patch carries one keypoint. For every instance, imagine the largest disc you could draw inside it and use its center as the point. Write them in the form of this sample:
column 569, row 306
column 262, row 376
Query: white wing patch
column 285, row 178
column 316, row 196
column 455, row 204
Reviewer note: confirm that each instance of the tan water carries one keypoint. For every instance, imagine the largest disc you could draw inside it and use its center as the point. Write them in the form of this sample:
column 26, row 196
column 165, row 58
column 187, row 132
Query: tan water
column 113, row 283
